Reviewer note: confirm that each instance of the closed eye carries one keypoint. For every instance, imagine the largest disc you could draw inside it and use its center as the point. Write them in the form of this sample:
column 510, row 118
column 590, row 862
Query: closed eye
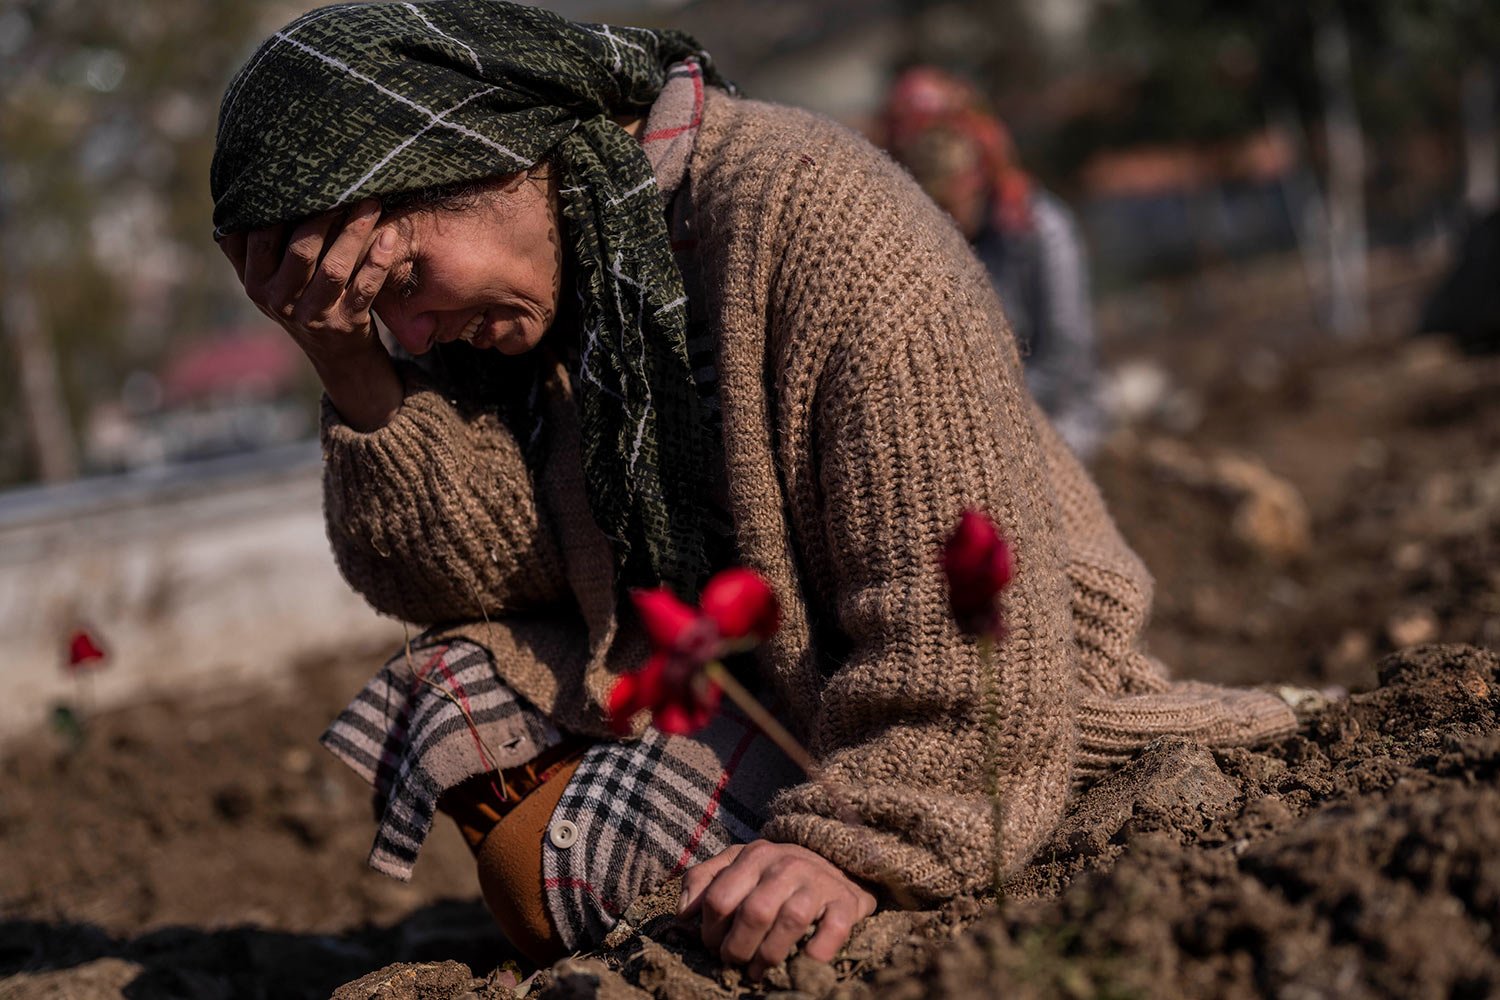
column 404, row 278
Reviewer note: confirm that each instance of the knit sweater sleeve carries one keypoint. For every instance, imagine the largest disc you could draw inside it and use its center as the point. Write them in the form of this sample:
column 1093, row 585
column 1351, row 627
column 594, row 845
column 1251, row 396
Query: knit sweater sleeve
column 900, row 378
column 432, row 518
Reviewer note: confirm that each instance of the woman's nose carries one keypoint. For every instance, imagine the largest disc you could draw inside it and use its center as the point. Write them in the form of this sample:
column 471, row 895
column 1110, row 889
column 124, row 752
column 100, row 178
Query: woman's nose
column 413, row 330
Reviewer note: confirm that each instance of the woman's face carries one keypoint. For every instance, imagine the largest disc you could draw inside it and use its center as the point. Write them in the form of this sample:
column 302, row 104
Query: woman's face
column 950, row 168
column 489, row 273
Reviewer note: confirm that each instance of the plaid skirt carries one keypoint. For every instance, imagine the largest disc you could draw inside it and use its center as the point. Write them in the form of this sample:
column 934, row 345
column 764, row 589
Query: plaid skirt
column 633, row 815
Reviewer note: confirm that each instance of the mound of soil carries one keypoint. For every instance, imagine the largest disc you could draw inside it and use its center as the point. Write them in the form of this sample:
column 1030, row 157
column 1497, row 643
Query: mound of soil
column 1353, row 860
column 1393, row 448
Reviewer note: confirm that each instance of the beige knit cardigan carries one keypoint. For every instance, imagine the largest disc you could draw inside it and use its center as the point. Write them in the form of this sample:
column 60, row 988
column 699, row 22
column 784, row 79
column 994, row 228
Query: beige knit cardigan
column 870, row 391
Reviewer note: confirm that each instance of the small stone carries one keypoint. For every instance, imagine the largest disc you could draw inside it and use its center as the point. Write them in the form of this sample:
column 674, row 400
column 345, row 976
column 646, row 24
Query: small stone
column 1268, row 515
column 1135, row 390
column 1409, row 556
column 1307, row 702
column 811, row 976
column 1352, row 651
column 296, row 761
column 1475, row 685
column 1412, row 627
column 1271, row 518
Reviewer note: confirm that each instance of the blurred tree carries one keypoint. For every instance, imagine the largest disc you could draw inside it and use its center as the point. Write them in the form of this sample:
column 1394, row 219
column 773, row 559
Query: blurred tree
column 106, row 129
column 995, row 44
column 1341, row 71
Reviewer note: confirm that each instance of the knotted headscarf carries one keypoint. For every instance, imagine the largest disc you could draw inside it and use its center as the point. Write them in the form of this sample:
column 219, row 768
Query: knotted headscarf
column 361, row 100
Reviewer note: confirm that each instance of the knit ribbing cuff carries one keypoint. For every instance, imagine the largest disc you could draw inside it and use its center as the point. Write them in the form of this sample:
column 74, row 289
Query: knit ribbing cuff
column 1113, row 728
column 912, row 867
column 432, row 517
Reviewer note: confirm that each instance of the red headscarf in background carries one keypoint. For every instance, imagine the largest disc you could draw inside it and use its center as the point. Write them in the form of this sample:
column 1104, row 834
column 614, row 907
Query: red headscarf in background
column 926, row 98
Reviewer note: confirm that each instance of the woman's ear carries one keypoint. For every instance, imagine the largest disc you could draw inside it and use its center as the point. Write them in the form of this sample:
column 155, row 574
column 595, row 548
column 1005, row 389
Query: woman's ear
column 511, row 183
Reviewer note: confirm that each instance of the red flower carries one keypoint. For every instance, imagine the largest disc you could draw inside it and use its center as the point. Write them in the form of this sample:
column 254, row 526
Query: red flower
column 737, row 611
column 741, row 605
column 83, row 651
column 978, row 566
column 667, row 619
column 680, row 698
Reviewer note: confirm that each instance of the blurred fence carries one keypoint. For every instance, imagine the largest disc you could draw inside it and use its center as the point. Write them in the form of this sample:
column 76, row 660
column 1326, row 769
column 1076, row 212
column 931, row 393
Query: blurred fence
column 205, row 575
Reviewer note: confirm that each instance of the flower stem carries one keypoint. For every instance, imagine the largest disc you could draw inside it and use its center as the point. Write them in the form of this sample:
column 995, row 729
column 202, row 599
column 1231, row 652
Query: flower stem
column 715, row 671
column 991, row 712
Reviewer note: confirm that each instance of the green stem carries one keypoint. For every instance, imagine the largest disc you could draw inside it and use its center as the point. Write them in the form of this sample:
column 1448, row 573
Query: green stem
column 747, row 703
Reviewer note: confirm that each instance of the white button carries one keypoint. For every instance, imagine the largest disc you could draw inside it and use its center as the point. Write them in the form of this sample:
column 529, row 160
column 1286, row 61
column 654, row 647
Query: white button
column 563, row 834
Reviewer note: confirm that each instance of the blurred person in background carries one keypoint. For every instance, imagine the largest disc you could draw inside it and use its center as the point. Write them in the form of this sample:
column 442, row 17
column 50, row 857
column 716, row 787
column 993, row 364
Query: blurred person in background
column 651, row 330
column 936, row 126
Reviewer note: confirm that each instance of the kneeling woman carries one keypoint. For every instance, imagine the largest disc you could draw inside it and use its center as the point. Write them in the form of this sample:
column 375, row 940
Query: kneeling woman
column 651, row 329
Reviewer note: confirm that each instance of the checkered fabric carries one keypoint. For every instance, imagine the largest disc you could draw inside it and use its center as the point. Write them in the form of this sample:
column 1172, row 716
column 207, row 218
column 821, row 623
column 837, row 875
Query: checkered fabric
column 368, row 100
column 642, row 811
column 645, row 811
column 434, row 715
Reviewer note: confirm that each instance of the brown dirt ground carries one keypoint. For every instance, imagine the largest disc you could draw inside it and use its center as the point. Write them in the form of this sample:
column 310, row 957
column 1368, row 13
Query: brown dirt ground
column 196, row 850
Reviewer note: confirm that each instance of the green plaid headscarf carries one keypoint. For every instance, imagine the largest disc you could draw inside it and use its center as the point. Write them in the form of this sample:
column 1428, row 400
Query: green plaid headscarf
column 361, row 100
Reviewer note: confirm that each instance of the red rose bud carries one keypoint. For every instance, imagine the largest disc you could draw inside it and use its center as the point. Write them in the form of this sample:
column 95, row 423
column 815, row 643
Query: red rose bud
column 670, row 687
column 83, row 651
column 688, row 715
column 977, row 564
column 741, row 605
column 666, row 619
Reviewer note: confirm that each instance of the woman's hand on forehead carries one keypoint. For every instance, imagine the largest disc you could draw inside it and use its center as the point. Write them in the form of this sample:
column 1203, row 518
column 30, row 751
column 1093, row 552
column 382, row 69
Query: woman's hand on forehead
column 317, row 279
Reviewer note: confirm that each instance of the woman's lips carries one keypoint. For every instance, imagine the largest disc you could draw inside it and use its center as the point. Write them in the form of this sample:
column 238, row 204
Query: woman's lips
column 465, row 333
column 471, row 328
column 484, row 329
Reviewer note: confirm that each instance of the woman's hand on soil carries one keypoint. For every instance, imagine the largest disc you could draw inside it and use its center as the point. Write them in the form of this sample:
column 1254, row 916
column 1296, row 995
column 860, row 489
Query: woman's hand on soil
column 757, row 900
column 317, row 279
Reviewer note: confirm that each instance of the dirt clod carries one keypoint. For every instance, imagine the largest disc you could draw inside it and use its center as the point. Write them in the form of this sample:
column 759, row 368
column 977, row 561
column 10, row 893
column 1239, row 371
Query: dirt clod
column 1173, row 784
column 424, row 981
